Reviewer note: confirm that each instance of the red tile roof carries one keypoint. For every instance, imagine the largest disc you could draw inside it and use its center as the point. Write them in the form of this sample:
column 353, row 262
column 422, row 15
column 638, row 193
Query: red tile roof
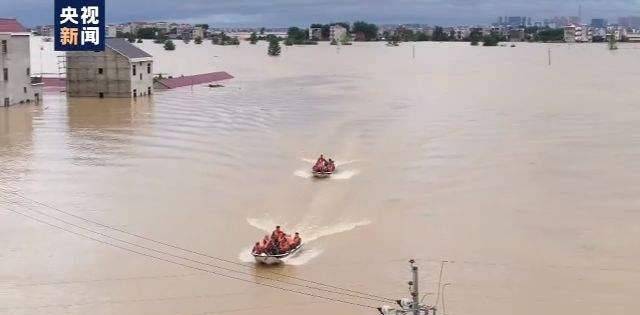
column 172, row 83
column 11, row 26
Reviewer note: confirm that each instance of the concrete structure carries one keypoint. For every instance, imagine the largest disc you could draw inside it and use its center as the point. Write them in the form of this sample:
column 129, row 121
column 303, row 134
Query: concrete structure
column 570, row 33
column 577, row 34
column 112, row 31
column 633, row 37
column 122, row 70
column 163, row 26
column 336, row 32
column 16, row 85
column 315, row 33
column 517, row 35
column 198, row 32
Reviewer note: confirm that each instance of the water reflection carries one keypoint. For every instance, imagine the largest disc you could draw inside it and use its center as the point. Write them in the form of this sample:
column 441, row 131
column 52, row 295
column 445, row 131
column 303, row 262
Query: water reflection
column 16, row 140
column 101, row 130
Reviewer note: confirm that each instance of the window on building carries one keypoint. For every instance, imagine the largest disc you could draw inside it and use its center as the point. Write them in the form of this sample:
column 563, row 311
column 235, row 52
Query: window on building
column 135, row 93
column 140, row 76
column 134, row 69
column 37, row 97
column 24, row 89
column 6, row 101
column 100, row 70
column 5, row 74
column 149, row 68
column 101, row 95
column 5, row 49
column 149, row 90
column 28, row 71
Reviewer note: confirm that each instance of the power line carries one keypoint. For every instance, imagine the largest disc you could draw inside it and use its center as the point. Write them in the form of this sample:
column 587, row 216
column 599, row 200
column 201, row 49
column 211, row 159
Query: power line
column 188, row 250
column 188, row 266
column 197, row 261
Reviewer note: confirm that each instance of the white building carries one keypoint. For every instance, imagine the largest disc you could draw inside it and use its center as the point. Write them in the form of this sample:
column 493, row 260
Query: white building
column 315, row 33
column 164, row 26
column 336, row 32
column 198, row 32
column 112, row 31
column 576, row 33
column 15, row 63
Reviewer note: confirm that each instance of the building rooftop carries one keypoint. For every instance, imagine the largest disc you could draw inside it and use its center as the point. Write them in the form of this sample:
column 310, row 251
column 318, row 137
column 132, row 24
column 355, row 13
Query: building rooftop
column 11, row 26
column 172, row 83
column 126, row 49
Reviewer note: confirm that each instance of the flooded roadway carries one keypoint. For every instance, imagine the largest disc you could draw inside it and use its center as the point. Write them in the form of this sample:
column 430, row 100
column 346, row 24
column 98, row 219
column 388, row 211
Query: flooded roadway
column 525, row 175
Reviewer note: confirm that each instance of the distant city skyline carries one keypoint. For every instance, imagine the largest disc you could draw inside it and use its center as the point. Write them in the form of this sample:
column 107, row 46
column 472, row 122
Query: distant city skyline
column 280, row 13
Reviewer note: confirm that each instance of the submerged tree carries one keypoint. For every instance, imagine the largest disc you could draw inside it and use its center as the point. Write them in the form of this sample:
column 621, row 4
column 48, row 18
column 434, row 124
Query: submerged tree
column 198, row 40
column 253, row 39
column 169, row 45
column 439, row 35
column 612, row 41
column 345, row 39
column 274, row 48
column 491, row 40
column 368, row 31
column 475, row 37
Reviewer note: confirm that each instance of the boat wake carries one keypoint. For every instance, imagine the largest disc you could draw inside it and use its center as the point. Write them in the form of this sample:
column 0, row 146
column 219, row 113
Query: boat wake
column 338, row 175
column 303, row 173
column 341, row 175
column 309, row 234
column 343, row 163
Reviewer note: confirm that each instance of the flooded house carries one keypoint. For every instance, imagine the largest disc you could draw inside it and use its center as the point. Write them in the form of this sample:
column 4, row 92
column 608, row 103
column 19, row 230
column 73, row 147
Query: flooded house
column 121, row 70
column 16, row 85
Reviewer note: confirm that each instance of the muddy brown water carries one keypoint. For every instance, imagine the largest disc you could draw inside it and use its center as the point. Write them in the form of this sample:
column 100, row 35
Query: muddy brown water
column 525, row 175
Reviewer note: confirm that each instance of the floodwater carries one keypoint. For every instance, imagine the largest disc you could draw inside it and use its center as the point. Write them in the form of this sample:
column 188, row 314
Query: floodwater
column 525, row 175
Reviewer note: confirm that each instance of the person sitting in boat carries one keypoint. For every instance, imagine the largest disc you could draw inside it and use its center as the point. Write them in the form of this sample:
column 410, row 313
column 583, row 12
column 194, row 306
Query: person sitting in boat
column 320, row 164
column 277, row 233
column 257, row 249
column 265, row 241
column 273, row 248
column 296, row 240
column 331, row 166
column 284, row 245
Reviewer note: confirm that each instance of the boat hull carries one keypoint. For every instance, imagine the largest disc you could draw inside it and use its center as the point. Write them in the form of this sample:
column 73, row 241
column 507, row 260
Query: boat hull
column 274, row 259
column 322, row 174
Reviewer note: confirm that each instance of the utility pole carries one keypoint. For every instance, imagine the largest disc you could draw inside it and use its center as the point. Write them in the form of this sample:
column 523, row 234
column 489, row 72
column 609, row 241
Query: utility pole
column 410, row 305
column 414, row 289
column 549, row 56
column 442, row 262
column 444, row 309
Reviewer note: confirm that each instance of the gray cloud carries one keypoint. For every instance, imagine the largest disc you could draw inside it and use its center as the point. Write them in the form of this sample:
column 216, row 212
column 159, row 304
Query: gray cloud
column 302, row 12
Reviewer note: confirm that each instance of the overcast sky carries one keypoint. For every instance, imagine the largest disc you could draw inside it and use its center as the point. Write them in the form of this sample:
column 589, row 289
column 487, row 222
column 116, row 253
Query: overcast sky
column 302, row 12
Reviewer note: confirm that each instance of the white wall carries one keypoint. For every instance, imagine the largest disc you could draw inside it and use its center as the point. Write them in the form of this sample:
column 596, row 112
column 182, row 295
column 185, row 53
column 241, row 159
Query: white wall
column 142, row 81
column 17, row 61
